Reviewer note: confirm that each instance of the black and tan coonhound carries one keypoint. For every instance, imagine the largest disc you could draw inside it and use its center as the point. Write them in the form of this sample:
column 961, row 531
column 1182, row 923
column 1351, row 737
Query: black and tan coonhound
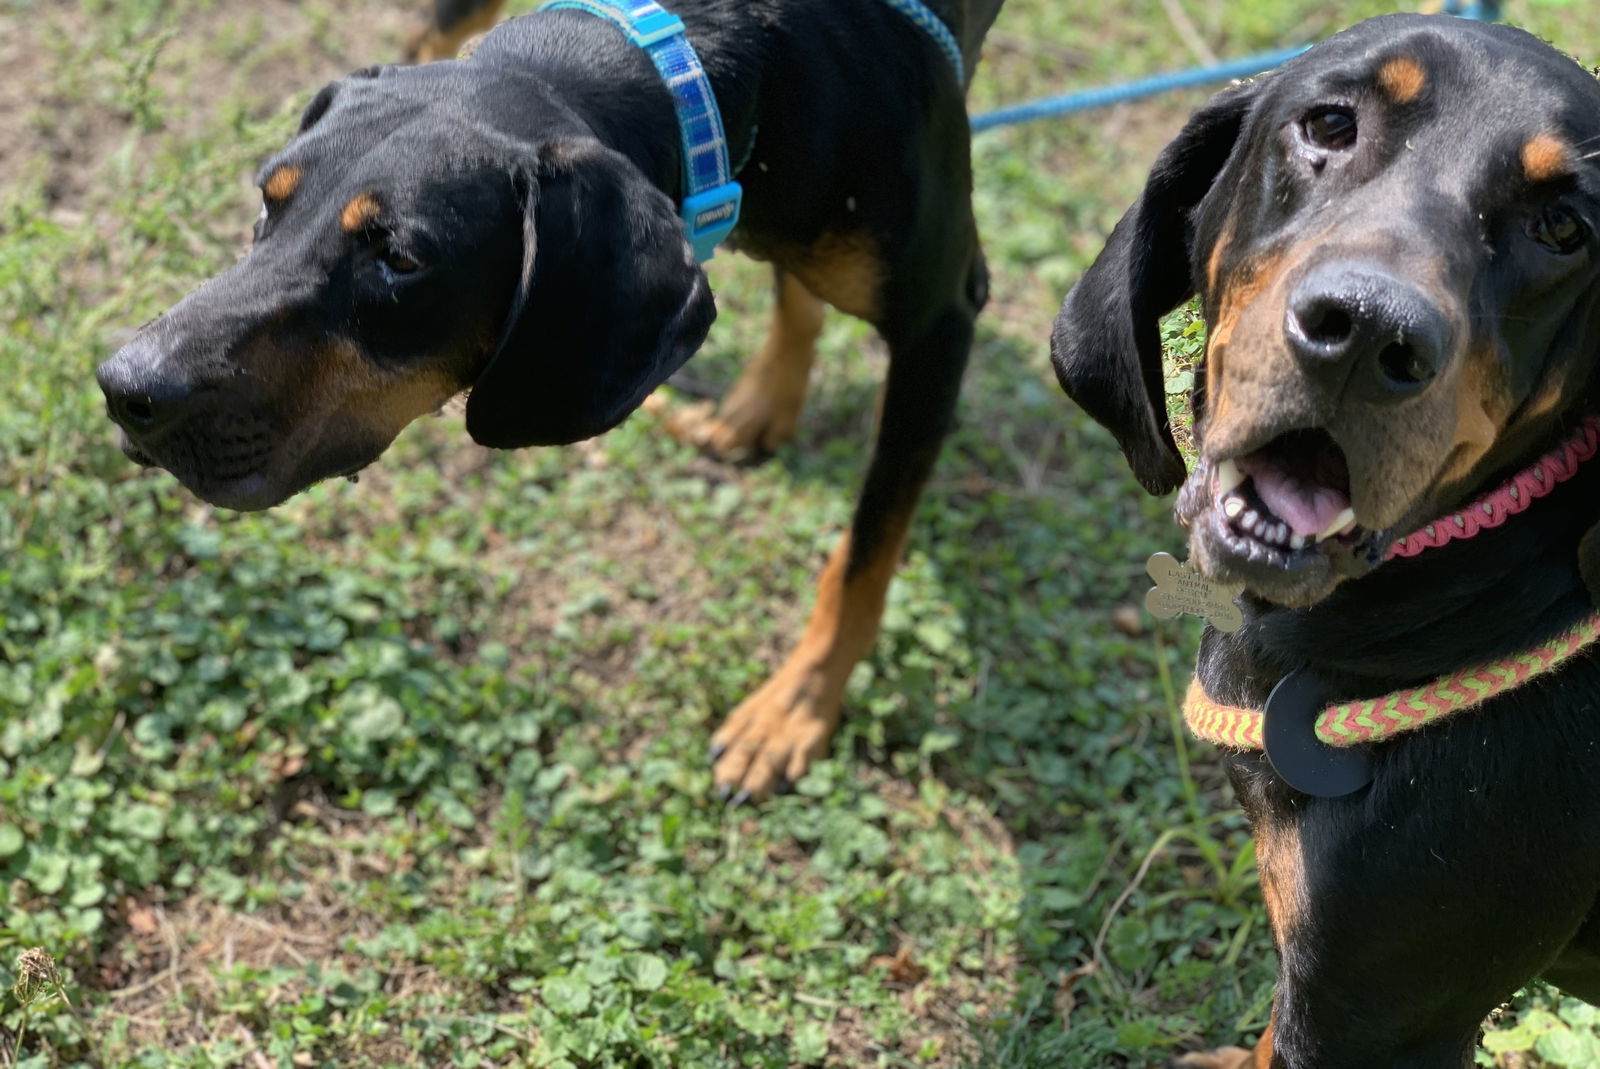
column 1395, row 241
column 507, row 224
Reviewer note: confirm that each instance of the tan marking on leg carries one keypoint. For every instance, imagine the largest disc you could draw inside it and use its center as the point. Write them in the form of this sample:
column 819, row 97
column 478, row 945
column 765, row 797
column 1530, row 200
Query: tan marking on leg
column 1545, row 158
column 1221, row 1058
column 444, row 42
column 1232, row 1057
column 361, row 211
column 775, row 733
column 1282, row 872
column 1264, row 1049
column 282, row 182
column 762, row 409
column 1402, row 79
column 844, row 270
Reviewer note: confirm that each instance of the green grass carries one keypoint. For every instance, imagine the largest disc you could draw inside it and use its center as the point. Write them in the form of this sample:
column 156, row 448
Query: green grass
column 411, row 772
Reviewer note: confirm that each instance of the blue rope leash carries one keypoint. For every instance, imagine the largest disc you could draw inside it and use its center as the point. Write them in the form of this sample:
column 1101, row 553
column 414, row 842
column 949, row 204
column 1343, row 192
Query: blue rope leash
column 1104, row 96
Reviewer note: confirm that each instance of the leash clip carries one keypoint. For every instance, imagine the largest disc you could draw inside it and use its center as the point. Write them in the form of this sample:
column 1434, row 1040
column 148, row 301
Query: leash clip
column 1289, row 734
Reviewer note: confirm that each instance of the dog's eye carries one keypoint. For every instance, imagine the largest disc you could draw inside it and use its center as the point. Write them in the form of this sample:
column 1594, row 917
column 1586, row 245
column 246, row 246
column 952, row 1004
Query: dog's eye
column 1330, row 128
column 396, row 265
column 1557, row 229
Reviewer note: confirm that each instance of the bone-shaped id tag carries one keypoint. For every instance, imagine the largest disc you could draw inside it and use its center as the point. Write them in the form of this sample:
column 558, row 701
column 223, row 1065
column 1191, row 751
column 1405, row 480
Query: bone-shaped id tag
column 1181, row 589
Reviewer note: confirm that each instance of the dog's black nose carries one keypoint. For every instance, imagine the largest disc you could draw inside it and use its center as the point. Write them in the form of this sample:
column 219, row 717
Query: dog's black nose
column 1375, row 335
column 138, row 396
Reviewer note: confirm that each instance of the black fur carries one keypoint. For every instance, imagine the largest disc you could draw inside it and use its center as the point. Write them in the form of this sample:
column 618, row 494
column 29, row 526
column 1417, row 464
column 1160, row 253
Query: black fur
column 1405, row 912
column 507, row 224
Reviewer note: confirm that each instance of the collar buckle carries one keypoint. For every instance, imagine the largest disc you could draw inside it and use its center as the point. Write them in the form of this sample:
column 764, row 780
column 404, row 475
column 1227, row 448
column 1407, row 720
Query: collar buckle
column 653, row 27
column 709, row 217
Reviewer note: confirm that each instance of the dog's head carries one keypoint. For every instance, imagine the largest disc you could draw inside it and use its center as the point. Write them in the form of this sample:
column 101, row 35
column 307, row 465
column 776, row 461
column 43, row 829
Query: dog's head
column 427, row 230
column 1394, row 240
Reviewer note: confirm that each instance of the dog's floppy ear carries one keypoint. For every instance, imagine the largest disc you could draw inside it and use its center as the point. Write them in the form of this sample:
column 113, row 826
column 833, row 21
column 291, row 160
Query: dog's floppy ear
column 1106, row 345
column 610, row 303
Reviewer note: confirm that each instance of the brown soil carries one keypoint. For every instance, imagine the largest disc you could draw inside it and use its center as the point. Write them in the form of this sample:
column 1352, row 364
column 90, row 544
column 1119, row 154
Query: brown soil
column 63, row 116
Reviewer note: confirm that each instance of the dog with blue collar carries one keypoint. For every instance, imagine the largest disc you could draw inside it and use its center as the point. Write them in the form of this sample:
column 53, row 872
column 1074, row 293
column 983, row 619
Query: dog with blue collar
column 529, row 225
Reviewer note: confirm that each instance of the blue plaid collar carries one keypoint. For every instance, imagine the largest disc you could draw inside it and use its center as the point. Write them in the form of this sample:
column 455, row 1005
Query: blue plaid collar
column 711, row 197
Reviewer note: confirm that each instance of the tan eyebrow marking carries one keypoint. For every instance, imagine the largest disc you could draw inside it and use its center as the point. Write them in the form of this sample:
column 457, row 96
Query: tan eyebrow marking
column 282, row 183
column 1545, row 157
column 1402, row 79
column 362, row 209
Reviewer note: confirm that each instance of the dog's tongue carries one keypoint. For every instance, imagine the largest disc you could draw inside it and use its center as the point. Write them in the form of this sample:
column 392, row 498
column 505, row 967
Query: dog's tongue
column 1308, row 509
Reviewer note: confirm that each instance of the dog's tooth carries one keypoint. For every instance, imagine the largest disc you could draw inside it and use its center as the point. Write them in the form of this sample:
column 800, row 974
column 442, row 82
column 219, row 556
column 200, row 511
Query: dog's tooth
column 1251, row 518
column 1340, row 524
column 1233, row 506
column 1297, row 541
column 1280, row 534
column 1229, row 477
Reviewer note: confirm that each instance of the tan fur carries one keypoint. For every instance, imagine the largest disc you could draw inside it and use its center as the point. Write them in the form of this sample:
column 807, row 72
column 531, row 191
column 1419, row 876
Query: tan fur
column 1481, row 410
column 1214, row 261
column 844, row 270
column 762, row 409
column 1232, row 1057
column 362, row 210
column 349, row 382
column 1236, row 298
column 1282, row 872
column 1264, row 1049
column 338, row 396
column 1253, row 377
column 1213, row 358
column 1546, row 157
column 1402, row 79
column 776, row 732
column 282, row 182
column 1232, row 303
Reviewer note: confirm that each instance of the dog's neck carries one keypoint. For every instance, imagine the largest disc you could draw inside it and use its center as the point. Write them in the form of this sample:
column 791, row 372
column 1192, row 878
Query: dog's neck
column 1419, row 617
column 612, row 90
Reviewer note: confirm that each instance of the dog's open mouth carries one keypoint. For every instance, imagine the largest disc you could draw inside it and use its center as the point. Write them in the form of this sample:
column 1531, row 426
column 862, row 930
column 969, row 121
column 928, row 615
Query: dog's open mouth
column 1286, row 502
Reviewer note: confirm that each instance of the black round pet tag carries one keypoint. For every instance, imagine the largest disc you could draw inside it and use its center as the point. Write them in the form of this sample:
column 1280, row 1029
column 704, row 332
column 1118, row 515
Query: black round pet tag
column 1305, row 762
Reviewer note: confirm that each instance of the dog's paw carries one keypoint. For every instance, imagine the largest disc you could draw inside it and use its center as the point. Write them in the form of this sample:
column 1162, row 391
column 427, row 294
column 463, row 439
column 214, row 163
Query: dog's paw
column 769, row 741
column 744, row 427
column 1221, row 1058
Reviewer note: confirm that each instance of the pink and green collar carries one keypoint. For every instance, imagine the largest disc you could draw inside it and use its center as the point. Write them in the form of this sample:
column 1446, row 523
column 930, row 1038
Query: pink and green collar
column 1322, row 760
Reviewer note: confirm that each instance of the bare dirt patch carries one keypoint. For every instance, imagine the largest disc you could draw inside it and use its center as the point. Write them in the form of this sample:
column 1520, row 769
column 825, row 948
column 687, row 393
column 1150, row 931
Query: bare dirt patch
column 66, row 109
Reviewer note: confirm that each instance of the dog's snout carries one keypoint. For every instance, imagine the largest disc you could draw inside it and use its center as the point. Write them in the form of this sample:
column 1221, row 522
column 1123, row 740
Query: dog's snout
column 1379, row 336
column 139, row 396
